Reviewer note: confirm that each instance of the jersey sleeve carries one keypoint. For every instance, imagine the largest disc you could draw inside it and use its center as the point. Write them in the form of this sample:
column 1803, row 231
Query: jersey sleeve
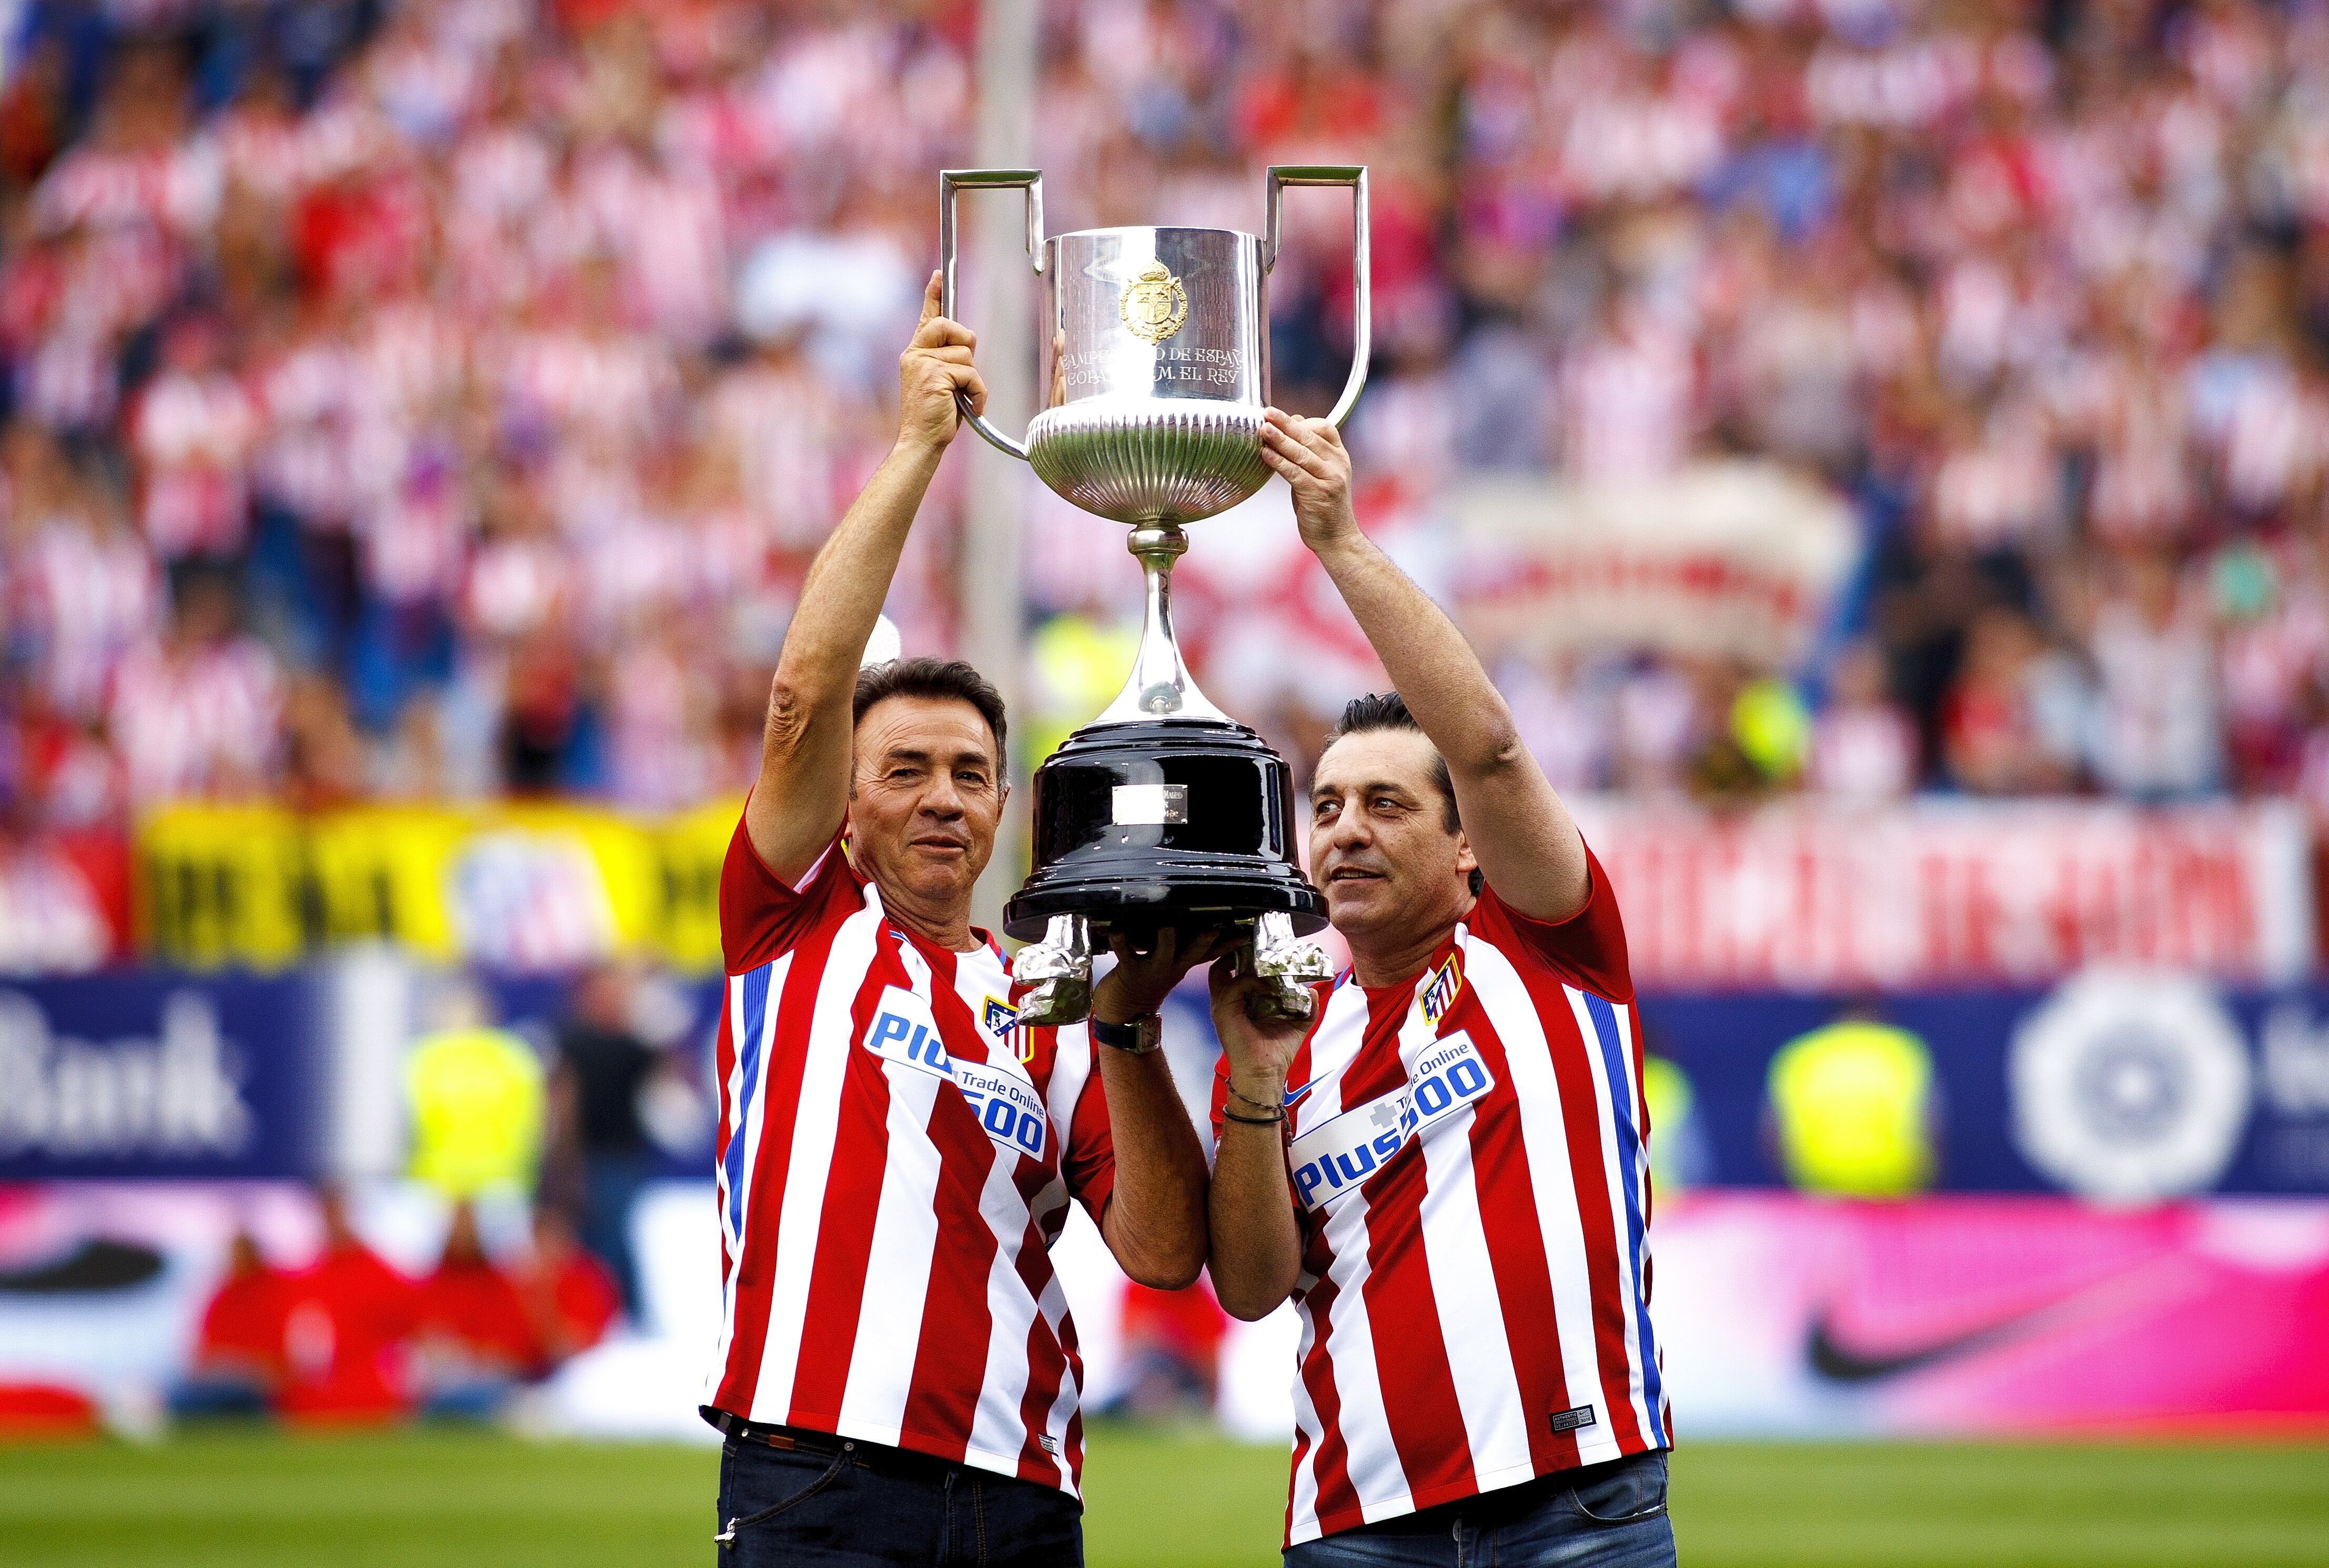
column 1588, row 948
column 1089, row 1162
column 761, row 915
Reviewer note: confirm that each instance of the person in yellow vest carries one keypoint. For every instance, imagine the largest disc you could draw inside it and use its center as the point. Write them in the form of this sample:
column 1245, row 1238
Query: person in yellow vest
column 475, row 1094
column 1853, row 1110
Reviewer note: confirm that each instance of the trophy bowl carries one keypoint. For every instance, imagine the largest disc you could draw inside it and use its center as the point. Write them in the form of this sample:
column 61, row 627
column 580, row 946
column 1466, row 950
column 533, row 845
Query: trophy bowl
column 1159, row 355
column 1163, row 811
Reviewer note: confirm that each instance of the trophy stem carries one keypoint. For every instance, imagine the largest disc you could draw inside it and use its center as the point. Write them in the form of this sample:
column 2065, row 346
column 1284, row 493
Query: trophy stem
column 1160, row 686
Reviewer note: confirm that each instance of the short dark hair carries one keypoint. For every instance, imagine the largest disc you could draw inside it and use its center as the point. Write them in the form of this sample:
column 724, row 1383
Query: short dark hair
column 948, row 680
column 1387, row 711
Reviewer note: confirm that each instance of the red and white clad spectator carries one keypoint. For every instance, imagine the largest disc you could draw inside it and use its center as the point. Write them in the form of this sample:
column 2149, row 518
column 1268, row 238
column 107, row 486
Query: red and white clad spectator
column 194, row 430
column 196, row 712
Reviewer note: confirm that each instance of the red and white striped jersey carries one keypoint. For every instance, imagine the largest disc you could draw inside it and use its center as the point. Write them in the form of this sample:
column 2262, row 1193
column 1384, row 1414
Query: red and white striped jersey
column 895, row 1159
column 1471, row 1175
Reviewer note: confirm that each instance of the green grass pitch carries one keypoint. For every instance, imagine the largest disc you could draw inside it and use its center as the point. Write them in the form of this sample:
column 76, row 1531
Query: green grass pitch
column 453, row 1500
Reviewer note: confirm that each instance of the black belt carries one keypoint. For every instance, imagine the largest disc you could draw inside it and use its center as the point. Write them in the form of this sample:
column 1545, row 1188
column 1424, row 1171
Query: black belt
column 808, row 1439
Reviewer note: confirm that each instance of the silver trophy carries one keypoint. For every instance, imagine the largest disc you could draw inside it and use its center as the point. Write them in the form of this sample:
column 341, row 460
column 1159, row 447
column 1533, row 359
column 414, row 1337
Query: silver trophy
column 1163, row 811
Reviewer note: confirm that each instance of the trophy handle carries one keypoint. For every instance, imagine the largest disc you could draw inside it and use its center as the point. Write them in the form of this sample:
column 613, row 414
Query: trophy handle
column 1355, row 175
column 950, row 181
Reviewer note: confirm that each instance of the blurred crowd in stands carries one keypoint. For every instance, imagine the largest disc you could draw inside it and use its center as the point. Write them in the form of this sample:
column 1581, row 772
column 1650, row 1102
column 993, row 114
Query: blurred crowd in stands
column 443, row 399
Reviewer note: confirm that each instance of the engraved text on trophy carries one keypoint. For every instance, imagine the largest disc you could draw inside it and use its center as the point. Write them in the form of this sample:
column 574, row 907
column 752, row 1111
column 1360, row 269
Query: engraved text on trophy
column 1214, row 367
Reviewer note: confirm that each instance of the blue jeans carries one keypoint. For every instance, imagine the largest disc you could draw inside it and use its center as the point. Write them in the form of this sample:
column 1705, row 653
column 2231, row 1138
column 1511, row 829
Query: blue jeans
column 833, row 1503
column 1605, row 1516
column 610, row 1190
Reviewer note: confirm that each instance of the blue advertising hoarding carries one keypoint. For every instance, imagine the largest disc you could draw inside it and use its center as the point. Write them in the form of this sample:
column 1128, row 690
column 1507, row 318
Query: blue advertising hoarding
column 2123, row 1086
column 158, row 1075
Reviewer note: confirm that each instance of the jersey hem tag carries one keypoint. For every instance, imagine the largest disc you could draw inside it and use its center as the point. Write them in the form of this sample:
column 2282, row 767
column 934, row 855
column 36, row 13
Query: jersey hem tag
column 1571, row 1419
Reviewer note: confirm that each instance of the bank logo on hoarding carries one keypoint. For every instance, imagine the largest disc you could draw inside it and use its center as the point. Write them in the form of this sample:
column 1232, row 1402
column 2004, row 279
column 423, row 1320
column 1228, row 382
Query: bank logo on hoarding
column 2129, row 1087
column 176, row 1097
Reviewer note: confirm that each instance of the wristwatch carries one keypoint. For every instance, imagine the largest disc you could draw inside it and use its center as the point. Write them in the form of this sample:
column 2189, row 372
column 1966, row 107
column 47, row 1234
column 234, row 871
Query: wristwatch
column 1137, row 1038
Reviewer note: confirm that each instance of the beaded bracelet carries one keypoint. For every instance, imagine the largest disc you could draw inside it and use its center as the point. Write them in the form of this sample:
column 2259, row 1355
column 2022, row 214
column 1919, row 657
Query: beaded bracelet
column 1229, row 1115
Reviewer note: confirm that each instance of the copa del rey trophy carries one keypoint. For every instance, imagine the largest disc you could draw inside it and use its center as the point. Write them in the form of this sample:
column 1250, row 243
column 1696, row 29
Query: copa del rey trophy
column 1163, row 811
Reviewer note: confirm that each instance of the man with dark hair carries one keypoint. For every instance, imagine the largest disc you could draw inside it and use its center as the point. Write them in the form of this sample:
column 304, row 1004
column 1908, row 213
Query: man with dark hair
column 1447, row 1168
column 1387, row 711
column 897, row 1374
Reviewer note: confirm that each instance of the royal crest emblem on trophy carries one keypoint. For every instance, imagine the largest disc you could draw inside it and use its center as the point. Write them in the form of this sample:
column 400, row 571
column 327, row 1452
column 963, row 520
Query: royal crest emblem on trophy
column 1154, row 305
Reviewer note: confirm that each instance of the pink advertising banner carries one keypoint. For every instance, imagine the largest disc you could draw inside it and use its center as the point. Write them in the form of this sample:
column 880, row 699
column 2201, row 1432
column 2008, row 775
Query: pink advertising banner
column 1997, row 1316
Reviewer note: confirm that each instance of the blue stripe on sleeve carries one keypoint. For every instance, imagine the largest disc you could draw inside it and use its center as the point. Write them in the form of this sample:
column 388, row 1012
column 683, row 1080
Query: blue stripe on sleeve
column 755, row 984
column 1629, row 1158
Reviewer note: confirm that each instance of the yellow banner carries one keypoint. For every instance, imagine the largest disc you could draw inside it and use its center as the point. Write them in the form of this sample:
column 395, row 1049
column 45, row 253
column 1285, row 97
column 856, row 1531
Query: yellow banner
column 512, row 885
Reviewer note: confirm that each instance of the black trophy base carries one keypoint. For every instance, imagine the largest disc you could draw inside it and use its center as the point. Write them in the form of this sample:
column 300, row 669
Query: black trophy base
column 1185, row 824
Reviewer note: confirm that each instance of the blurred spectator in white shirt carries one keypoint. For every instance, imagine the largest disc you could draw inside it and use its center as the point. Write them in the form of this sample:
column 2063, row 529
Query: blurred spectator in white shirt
column 1864, row 745
column 2158, row 720
column 195, row 713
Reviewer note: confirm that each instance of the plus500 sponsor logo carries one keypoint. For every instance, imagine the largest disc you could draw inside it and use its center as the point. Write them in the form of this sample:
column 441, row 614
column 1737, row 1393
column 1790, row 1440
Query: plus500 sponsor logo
column 1333, row 1158
column 1008, row 1109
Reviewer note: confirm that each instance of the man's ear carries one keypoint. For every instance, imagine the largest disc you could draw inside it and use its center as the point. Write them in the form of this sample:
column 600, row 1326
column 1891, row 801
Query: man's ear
column 1466, row 861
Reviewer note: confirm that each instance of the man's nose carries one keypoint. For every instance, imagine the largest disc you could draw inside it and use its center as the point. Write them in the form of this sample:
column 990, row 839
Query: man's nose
column 942, row 799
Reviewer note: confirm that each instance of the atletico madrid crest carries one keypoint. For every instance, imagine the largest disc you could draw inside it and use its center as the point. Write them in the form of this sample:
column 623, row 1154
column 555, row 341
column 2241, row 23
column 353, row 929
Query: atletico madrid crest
column 1441, row 993
column 1002, row 1021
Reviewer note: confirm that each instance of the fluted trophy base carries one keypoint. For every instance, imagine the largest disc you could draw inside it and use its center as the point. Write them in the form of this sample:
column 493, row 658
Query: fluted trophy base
column 1145, row 459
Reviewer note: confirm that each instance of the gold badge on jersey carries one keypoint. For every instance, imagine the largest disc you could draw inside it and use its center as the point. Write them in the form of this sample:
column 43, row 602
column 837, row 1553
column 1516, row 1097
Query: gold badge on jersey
column 1440, row 995
column 1154, row 305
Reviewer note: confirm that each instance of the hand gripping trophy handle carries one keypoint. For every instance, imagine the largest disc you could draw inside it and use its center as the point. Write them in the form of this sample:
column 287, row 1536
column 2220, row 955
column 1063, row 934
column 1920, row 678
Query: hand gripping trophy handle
column 950, row 181
column 1355, row 175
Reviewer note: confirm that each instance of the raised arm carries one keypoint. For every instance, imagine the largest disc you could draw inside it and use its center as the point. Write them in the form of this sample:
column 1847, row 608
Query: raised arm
column 803, row 783
column 1520, row 832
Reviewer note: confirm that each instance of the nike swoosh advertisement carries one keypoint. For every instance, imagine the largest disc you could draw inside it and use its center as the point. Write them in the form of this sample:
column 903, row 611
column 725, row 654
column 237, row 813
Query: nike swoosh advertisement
column 1784, row 1315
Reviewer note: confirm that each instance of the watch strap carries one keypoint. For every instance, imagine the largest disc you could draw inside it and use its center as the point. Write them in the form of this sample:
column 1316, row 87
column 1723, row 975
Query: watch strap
column 1138, row 1037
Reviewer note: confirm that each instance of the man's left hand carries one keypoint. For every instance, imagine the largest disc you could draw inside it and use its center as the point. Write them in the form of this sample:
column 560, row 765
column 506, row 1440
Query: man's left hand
column 1140, row 982
column 1309, row 455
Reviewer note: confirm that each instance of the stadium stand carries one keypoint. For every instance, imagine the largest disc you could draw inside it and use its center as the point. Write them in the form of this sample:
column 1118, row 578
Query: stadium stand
column 441, row 399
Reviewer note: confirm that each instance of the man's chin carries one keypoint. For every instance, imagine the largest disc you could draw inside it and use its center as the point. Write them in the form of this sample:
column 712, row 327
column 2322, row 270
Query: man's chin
column 938, row 875
column 1359, row 905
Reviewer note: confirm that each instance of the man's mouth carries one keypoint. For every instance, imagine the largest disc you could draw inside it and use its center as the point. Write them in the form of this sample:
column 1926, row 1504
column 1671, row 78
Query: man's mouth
column 1352, row 874
column 946, row 844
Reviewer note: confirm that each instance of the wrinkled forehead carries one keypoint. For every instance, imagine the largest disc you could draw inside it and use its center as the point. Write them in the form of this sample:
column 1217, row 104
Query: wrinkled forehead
column 941, row 728
column 1405, row 758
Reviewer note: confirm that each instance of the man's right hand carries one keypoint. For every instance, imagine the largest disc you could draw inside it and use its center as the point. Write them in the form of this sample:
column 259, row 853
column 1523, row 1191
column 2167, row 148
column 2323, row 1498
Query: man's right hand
column 935, row 367
column 1259, row 1053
